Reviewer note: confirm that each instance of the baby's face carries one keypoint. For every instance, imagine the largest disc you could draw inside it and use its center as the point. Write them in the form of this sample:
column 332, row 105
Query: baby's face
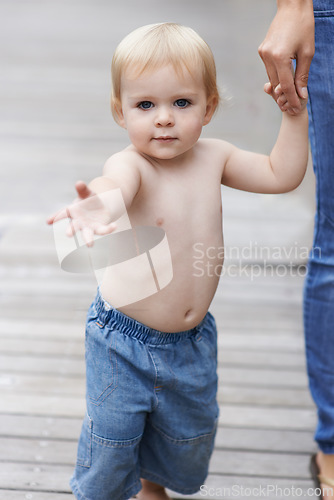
column 163, row 112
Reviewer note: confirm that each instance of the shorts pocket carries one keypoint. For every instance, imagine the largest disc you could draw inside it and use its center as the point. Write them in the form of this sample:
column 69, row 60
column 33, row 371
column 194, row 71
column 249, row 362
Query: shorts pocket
column 101, row 362
column 84, row 457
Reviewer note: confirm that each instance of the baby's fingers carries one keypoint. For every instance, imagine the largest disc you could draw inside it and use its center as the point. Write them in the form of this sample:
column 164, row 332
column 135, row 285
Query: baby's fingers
column 73, row 226
column 87, row 233
column 88, row 236
column 278, row 91
column 102, row 229
column 268, row 89
column 61, row 214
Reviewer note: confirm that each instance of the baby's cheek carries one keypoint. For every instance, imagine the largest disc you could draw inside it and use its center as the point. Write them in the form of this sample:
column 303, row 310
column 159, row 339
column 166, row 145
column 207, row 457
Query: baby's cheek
column 197, row 126
column 136, row 133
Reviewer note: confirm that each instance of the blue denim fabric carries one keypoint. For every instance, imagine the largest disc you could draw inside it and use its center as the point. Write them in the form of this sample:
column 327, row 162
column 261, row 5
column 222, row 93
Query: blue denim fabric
column 319, row 285
column 151, row 406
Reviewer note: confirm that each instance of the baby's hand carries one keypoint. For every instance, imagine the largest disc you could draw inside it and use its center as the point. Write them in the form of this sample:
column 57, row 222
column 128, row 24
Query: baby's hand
column 87, row 213
column 278, row 95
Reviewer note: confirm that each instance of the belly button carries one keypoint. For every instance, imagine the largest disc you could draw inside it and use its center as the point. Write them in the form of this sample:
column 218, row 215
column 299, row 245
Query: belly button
column 188, row 313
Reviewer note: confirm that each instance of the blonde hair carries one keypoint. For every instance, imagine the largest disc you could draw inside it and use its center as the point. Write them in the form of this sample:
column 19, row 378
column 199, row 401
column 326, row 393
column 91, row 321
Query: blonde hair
column 153, row 46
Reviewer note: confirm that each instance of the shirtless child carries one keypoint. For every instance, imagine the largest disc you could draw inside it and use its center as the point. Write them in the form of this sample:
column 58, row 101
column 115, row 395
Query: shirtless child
column 151, row 365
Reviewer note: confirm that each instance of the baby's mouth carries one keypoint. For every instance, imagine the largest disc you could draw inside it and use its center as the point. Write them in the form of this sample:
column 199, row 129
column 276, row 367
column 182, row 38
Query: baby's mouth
column 165, row 138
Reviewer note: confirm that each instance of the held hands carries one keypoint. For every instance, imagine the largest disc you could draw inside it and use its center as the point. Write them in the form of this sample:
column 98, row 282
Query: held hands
column 282, row 100
column 290, row 36
column 87, row 213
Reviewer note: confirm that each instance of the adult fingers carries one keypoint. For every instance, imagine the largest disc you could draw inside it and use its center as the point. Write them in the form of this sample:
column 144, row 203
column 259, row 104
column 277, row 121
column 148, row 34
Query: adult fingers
column 287, row 84
column 301, row 76
column 265, row 53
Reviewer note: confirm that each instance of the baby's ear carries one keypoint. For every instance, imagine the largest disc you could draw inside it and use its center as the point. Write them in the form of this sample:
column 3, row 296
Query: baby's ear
column 211, row 107
column 117, row 112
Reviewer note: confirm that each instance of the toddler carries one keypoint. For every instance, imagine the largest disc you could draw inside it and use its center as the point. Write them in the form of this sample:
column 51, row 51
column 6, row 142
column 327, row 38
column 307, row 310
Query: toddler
column 151, row 363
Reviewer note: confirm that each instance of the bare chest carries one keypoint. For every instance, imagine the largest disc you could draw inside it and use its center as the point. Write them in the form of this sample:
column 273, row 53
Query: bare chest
column 178, row 204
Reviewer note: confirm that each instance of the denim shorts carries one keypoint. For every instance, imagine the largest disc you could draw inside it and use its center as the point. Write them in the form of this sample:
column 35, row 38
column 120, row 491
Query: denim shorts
column 151, row 406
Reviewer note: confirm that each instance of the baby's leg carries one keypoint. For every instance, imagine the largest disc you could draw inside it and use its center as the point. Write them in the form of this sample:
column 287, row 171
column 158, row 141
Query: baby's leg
column 152, row 491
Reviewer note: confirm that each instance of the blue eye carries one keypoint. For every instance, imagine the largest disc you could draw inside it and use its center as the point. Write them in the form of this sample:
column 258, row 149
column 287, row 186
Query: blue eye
column 145, row 105
column 182, row 103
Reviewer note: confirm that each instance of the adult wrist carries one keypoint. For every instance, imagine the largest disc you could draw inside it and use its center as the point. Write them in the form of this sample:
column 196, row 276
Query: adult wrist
column 294, row 4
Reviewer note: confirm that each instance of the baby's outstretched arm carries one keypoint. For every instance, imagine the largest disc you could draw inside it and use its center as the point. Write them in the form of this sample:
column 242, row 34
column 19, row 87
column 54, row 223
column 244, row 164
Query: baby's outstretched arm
column 99, row 205
column 87, row 214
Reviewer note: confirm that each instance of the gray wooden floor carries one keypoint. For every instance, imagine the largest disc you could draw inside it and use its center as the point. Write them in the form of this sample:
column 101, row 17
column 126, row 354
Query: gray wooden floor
column 266, row 415
column 55, row 129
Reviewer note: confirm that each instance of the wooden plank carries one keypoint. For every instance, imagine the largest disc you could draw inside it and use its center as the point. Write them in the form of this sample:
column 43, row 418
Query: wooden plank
column 21, row 475
column 258, row 396
column 246, row 463
column 36, row 384
column 43, row 364
column 39, row 427
column 54, row 286
column 270, row 440
column 43, row 405
column 33, row 309
column 13, row 345
column 264, row 359
column 284, row 342
column 232, row 487
column 57, row 330
column 262, row 377
column 260, row 315
column 38, row 451
column 26, row 495
column 268, row 418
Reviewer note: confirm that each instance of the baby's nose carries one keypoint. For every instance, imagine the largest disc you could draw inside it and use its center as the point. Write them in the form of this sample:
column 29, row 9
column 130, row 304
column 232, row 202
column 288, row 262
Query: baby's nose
column 164, row 117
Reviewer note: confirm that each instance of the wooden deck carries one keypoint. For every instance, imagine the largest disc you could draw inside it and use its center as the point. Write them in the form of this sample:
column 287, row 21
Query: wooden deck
column 56, row 128
column 266, row 415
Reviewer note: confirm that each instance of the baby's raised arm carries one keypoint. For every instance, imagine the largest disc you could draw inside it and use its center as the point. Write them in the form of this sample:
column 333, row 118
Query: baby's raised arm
column 281, row 171
column 96, row 207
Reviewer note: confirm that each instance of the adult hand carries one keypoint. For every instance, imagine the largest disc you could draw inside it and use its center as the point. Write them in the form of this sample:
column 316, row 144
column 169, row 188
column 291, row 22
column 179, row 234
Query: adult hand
column 290, row 36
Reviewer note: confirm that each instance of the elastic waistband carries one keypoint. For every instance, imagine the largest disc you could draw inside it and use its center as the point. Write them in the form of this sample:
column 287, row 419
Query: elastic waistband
column 113, row 318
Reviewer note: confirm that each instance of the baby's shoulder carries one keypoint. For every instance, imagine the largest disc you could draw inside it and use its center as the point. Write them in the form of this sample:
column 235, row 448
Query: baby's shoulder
column 216, row 151
column 215, row 145
column 125, row 163
column 126, row 159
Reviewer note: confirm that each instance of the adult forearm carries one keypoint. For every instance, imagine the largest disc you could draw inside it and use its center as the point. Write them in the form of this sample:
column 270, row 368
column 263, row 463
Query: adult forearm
column 290, row 37
column 295, row 3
